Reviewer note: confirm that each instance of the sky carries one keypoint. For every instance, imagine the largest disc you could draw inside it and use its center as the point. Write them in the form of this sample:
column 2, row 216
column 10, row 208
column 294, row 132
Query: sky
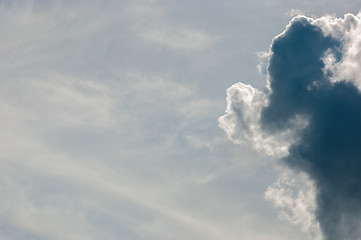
column 119, row 119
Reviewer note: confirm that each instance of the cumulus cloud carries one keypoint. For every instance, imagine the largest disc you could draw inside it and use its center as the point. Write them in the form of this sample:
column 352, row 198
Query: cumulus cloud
column 313, row 75
column 348, row 31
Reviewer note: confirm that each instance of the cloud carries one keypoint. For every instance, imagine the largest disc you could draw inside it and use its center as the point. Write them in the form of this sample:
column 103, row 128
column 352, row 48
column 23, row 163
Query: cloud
column 151, row 23
column 68, row 124
column 313, row 75
column 294, row 12
column 87, row 153
column 241, row 121
column 263, row 60
column 295, row 195
column 348, row 31
column 179, row 37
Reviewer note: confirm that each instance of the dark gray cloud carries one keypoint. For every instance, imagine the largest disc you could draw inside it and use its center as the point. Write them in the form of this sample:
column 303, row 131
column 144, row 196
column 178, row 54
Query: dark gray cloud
column 307, row 72
column 329, row 148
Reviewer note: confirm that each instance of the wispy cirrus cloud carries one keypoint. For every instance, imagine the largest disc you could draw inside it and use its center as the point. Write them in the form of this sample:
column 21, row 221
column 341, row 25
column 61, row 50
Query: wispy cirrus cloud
column 179, row 37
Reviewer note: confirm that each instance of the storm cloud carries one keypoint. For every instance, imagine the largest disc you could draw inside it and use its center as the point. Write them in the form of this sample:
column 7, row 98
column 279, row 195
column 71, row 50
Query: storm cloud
column 311, row 110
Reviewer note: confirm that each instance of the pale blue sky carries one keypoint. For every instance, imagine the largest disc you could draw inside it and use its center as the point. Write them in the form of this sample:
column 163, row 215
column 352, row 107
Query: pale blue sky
column 109, row 123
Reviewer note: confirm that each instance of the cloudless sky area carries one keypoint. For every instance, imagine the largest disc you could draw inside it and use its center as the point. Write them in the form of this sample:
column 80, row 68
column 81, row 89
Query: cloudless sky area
column 109, row 119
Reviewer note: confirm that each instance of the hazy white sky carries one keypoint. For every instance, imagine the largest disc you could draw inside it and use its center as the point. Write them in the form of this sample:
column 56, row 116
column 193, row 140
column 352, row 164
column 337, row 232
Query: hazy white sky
column 109, row 119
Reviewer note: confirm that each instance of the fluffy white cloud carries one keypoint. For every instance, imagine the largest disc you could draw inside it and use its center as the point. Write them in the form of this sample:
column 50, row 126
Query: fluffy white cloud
column 348, row 30
column 241, row 121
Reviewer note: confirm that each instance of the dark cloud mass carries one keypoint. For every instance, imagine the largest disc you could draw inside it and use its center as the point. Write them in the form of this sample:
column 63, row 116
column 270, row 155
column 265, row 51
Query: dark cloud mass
column 329, row 148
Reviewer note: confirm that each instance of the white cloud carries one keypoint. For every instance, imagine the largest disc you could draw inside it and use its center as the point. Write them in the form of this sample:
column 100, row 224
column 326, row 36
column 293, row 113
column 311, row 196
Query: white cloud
column 294, row 12
column 241, row 121
column 294, row 195
column 348, row 30
column 263, row 62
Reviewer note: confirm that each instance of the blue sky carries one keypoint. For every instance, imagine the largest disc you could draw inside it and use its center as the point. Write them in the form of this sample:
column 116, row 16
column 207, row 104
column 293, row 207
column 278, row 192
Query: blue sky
column 109, row 126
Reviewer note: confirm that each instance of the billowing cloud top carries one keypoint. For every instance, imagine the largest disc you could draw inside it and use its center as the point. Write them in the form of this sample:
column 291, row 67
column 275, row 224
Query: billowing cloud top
column 310, row 114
